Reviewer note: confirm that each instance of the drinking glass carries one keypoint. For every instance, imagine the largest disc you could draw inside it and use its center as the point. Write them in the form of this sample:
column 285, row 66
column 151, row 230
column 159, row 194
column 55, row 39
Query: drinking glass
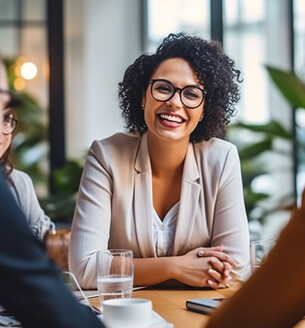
column 114, row 274
column 259, row 250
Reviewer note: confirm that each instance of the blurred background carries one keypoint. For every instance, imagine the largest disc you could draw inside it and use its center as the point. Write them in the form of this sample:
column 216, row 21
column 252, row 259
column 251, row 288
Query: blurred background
column 66, row 57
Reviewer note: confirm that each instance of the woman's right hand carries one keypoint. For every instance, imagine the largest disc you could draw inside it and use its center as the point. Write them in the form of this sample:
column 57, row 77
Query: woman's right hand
column 203, row 267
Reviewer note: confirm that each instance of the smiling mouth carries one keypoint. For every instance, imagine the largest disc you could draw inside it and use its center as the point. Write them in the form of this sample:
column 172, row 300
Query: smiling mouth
column 171, row 118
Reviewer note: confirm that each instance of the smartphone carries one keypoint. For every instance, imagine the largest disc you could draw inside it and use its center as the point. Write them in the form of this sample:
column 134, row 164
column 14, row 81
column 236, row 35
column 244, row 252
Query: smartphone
column 204, row 305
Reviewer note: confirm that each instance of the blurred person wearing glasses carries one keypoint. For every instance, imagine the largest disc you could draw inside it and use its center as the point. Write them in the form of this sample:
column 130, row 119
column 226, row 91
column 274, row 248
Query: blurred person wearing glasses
column 170, row 189
column 19, row 182
column 30, row 285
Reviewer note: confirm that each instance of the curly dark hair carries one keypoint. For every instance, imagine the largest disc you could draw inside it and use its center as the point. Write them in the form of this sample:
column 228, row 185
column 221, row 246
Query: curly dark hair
column 214, row 69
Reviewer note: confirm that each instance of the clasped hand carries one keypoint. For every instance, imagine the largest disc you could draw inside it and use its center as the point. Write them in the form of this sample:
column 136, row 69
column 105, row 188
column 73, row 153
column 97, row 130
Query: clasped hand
column 206, row 267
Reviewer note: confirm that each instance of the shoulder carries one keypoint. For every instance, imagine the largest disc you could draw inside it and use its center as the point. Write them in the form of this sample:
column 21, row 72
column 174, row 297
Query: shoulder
column 118, row 140
column 120, row 145
column 21, row 178
column 216, row 149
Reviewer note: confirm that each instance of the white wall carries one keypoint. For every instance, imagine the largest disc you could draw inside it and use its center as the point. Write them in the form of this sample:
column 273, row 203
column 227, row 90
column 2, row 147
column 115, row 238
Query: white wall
column 102, row 39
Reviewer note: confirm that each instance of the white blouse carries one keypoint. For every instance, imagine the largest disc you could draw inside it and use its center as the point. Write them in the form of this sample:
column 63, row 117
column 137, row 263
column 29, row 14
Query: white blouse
column 164, row 231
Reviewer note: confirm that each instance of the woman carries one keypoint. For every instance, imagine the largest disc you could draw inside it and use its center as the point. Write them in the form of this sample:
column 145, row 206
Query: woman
column 19, row 182
column 169, row 190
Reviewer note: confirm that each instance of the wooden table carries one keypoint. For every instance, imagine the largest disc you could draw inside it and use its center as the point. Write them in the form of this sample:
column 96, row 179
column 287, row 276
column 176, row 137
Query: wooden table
column 170, row 304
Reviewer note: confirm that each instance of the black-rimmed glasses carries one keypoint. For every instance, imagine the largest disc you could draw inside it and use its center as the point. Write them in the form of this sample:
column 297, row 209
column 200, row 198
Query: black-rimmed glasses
column 9, row 125
column 191, row 96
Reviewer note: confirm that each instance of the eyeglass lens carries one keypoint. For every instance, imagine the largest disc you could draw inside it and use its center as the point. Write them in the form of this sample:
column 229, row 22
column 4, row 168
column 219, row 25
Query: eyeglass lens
column 9, row 125
column 163, row 90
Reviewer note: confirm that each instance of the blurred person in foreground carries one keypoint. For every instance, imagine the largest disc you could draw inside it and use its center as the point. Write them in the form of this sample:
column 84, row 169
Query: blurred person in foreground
column 30, row 285
column 274, row 297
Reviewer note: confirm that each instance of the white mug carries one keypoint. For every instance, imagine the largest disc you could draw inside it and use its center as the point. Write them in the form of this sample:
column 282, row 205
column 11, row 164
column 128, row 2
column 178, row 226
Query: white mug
column 127, row 313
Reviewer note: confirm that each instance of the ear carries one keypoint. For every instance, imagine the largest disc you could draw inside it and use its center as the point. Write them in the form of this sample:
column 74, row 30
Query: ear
column 143, row 102
column 201, row 116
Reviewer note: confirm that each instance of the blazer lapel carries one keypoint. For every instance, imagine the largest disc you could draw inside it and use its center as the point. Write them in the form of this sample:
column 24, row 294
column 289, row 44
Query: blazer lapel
column 189, row 198
column 143, row 201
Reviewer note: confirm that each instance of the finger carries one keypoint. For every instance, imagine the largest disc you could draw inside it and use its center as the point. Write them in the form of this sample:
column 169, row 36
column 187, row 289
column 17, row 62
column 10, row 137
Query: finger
column 222, row 267
column 224, row 286
column 221, row 256
column 213, row 248
column 218, row 277
column 216, row 264
column 213, row 284
column 227, row 269
column 216, row 248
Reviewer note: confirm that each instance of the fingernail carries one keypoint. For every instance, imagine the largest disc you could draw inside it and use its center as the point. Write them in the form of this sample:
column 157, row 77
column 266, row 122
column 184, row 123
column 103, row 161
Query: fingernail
column 211, row 271
column 228, row 286
column 201, row 253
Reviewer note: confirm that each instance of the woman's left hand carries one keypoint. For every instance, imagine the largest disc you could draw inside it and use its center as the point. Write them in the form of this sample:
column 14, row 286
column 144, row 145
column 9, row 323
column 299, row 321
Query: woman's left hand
column 222, row 265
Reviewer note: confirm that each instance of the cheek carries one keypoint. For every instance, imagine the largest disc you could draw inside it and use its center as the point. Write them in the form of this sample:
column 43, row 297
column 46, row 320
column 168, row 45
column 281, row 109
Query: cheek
column 6, row 142
column 195, row 116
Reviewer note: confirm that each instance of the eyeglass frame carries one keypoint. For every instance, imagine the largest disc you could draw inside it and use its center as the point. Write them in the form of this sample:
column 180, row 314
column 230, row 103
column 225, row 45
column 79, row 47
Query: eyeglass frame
column 176, row 89
column 13, row 102
column 12, row 119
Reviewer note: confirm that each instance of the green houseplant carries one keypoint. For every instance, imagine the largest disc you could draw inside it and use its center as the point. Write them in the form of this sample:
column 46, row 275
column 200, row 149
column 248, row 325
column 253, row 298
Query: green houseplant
column 30, row 153
column 253, row 167
column 266, row 135
column 293, row 90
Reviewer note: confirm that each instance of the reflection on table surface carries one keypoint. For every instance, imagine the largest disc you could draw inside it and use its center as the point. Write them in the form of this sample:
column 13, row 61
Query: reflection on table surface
column 170, row 304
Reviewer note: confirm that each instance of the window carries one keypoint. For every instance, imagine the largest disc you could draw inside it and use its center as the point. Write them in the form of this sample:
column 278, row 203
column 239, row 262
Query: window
column 164, row 17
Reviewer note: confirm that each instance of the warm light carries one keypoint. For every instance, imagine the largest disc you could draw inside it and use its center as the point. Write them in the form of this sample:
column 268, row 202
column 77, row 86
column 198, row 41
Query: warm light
column 19, row 84
column 28, row 70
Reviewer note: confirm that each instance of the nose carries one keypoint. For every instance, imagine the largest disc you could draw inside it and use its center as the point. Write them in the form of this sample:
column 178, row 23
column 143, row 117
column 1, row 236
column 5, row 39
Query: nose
column 175, row 101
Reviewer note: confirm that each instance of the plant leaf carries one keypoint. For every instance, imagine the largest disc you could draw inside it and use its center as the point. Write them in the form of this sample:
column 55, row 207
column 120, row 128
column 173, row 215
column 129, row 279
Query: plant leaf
column 272, row 128
column 67, row 178
column 255, row 149
column 291, row 87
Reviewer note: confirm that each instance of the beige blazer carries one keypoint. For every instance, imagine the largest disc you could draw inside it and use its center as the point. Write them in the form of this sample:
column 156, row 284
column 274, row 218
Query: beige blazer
column 115, row 209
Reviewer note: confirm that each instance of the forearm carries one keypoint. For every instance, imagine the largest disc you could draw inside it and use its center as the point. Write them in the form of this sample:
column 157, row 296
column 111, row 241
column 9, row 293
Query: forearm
column 189, row 269
column 152, row 271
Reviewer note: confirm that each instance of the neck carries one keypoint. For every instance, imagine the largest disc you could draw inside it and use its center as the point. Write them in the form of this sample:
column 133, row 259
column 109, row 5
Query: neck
column 167, row 158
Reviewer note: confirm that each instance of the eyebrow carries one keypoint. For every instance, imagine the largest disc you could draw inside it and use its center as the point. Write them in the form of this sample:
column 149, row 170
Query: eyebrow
column 187, row 85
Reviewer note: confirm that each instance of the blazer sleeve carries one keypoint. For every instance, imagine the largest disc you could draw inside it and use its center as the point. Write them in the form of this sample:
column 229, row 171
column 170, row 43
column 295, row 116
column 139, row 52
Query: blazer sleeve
column 30, row 285
column 92, row 217
column 230, row 226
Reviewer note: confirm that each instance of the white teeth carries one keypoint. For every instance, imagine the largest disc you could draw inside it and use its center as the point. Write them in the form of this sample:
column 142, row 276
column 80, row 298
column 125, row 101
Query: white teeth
column 171, row 118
